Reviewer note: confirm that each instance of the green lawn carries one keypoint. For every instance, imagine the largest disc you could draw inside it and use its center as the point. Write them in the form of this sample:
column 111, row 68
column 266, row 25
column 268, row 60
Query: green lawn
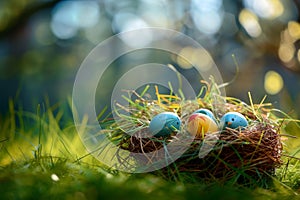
column 42, row 157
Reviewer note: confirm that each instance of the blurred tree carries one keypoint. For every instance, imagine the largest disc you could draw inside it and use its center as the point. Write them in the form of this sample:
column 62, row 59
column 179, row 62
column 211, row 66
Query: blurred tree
column 18, row 18
column 42, row 43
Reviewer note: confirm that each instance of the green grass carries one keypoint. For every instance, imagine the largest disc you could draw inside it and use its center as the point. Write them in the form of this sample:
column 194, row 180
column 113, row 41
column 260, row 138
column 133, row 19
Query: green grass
column 37, row 147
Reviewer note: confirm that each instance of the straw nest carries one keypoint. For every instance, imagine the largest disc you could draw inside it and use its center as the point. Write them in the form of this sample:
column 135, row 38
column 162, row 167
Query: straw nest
column 241, row 155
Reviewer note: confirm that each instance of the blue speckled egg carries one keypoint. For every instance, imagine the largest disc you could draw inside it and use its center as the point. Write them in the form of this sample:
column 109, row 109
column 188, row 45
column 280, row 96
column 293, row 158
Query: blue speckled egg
column 233, row 120
column 206, row 112
column 164, row 124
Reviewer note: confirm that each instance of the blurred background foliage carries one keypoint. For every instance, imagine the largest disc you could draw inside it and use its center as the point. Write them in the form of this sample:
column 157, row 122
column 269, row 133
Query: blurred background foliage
column 43, row 43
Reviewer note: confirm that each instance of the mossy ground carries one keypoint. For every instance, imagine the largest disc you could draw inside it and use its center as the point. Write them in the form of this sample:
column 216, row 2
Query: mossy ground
column 41, row 156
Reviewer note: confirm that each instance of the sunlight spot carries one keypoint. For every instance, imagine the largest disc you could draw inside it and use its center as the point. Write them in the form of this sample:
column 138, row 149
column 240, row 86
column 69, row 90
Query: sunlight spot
column 286, row 52
column 207, row 5
column 185, row 56
column 250, row 22
column 69, row 16
column 298, row 55
column 286, row 37
column 207, row 15
column 189, row 57
column 155, row 13
column 123, row 22
column 208, row 22
column 109, row 176
column 269, row 9
column 202, row 59
column 273, row 82
column 54, row 177
column 294, row 29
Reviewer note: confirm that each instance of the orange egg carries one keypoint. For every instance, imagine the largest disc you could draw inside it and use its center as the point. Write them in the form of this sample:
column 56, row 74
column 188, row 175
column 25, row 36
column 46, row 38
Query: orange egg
column 199, row 124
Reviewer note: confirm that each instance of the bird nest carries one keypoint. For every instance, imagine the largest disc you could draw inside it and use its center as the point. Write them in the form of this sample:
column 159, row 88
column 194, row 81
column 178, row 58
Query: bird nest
column 246, row 155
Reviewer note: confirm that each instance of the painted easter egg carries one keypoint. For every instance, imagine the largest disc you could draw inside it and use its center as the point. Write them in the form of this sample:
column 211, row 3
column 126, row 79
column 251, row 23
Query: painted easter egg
column 233, row 120
column 164, row 124
column 199, row 124
column 206, row 112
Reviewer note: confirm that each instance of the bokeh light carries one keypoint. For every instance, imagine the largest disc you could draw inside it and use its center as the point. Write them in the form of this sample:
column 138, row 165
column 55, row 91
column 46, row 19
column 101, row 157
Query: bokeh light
column 69, row 16
column 155, row 13
column 41, row 49
column 298, row 55
column 286, row 52
column 124, row 21
column 294, row 29
column 197, row 57
column 250, row 22
column 207, row 15
column 273, row 82
column 269, row 9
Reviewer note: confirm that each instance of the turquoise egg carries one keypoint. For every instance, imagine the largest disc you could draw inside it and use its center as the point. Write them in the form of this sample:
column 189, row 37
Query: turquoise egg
column 233, row 120
column 164, row 124
column 206, row 112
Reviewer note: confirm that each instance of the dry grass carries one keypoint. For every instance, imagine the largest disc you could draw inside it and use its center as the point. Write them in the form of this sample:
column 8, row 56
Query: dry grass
column 244, row 156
